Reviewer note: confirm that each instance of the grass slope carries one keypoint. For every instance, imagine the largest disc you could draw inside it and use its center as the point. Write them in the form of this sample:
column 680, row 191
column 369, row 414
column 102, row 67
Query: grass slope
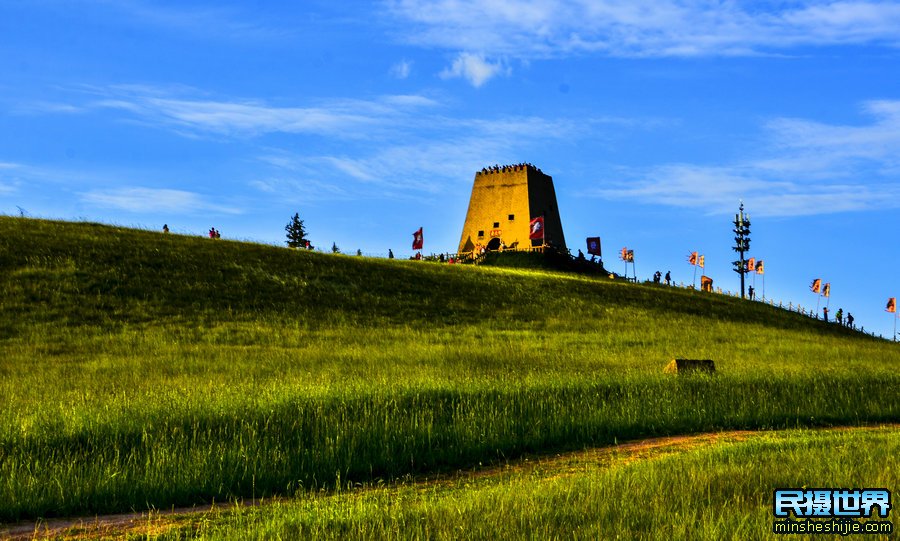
column 141, row 369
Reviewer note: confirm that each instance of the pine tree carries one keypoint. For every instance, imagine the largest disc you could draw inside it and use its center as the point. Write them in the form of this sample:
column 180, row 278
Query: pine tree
column 295, row 232
column 335, row 249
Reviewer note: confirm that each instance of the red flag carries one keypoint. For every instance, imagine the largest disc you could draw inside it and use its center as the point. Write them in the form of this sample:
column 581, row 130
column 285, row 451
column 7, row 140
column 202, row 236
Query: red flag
column 892, row 305
column 816, row 285
column 692, row 259
column 623, row 254
column 751, row 264
column 537, row 228
column 593, row 245
column 418, row 240
column 826, row 290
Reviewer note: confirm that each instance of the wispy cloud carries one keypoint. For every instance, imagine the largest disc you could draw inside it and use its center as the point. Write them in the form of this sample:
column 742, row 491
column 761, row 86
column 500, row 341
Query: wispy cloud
column 193, row 114
column 402, row 69
column 807, row 168
column 474, row 68
column 428, row 164
column 548, row 28
column 201, row 22
column 9, row 182
column 292, row 189
column 149, row 200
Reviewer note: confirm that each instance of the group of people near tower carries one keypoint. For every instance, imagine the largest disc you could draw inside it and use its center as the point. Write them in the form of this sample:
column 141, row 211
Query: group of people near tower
column 839, row 317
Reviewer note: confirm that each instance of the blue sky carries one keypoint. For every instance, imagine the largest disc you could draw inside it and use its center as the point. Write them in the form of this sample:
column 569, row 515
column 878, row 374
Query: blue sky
column 655, row 118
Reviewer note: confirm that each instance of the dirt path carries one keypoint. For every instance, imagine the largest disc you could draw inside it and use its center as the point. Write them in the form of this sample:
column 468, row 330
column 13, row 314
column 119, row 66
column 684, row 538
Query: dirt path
column 150, row 523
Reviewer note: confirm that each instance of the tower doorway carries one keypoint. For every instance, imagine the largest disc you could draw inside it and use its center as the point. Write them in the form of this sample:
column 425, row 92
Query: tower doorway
column 494, row 244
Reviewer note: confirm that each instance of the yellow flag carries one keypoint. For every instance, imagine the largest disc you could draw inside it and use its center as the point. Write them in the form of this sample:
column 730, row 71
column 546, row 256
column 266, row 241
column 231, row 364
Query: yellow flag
column 816, row 285
column 892, row 305
column 701, row 261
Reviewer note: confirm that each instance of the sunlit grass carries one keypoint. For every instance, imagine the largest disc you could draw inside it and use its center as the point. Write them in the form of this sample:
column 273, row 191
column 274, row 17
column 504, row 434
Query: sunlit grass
column 719, row 491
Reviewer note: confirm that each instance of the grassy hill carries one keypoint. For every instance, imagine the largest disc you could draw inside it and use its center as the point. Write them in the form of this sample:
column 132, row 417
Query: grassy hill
column 141, row 369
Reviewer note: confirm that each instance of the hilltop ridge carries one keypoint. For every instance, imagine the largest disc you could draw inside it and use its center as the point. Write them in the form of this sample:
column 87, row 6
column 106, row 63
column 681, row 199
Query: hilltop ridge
column 83, row 273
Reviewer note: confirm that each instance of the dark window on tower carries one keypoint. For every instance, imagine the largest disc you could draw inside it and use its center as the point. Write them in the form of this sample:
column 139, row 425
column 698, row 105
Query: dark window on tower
column 496, row 224
column 512, row 217
column 481, row 233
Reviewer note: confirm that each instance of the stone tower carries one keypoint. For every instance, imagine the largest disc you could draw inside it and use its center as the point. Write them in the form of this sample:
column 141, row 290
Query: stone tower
column 504, row 200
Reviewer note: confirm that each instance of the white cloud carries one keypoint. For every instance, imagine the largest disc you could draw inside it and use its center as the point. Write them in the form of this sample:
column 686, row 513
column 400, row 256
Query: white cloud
column 290, row 189
column 474, row 68
column 147, row 200
column 191, row 115
column 9, row 182
column 808, row 168
column 547, row 28
column 402, row 69
column 448, row 153
column 717, row 189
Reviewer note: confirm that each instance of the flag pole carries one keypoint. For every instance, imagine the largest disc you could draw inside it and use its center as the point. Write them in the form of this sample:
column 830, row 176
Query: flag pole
column 695, row 275
column 818, row 298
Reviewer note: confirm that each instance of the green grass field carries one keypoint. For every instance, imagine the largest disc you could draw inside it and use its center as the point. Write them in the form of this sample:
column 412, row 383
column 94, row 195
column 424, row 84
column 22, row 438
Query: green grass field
column 721, row 491
column 147, row 370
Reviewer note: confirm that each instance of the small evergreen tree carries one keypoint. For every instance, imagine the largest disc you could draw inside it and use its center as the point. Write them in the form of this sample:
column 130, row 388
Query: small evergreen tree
column 295, row 232
column 335, row 249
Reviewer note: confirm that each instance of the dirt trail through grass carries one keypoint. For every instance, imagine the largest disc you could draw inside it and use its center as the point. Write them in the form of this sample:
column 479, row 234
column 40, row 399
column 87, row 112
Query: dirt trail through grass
column 157, row 522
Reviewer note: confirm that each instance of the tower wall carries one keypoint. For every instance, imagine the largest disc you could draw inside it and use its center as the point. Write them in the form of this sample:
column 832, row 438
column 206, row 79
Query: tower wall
column 503, row 202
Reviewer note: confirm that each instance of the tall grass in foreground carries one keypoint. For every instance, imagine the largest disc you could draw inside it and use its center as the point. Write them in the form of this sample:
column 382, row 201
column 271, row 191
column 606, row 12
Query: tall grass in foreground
column 193, row 449
column 720, row 492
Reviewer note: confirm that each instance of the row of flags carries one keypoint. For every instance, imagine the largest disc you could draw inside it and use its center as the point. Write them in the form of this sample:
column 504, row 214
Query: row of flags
column 757, row 266
column 817, row 287
column 536, row 231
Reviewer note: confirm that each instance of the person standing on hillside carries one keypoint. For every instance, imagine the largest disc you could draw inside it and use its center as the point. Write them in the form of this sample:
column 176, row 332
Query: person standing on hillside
column 668, row 278
column 839, row 316
column 165, row 228
column 390, row 254
column 825, row 313
column 751, row 292
column 849, row 320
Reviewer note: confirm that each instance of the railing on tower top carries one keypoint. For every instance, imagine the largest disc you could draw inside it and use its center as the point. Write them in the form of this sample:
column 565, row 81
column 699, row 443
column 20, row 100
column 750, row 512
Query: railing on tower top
column 476, row 258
